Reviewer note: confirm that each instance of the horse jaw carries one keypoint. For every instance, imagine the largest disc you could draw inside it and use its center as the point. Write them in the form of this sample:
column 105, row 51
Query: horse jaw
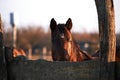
column 68, row 48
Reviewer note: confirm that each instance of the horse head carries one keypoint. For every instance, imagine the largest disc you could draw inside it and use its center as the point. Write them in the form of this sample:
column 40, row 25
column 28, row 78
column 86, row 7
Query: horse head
column 64, row 48
column 61, row 40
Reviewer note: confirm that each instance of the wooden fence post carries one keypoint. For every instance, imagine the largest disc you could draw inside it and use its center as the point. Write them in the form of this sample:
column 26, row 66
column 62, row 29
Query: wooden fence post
column 3, row 70
column 105, row 9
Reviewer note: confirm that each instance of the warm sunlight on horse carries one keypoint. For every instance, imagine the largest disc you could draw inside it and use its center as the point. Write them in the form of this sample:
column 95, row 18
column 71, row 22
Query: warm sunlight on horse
column 18, row 52
column 64, row 47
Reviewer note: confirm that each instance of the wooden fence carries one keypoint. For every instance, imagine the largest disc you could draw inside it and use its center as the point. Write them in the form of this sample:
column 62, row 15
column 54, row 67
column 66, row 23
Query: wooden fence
column 21, row 69
column 46, row 70
column 104, row 69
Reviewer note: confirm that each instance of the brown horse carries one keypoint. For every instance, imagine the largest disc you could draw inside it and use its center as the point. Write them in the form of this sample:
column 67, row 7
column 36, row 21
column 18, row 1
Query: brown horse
column 14, row 53
column 18, row 52
column 118, row 53
column 64, row 47
column 97, row 53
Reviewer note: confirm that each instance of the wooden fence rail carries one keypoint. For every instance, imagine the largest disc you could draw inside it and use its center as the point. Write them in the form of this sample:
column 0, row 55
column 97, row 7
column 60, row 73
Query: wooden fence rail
column 46, row 70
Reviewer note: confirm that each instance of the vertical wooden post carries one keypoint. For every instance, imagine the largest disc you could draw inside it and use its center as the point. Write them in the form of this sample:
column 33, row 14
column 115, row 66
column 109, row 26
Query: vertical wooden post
column 3, row 71
column 105, row 9
column 14, row 35
column 14, row 28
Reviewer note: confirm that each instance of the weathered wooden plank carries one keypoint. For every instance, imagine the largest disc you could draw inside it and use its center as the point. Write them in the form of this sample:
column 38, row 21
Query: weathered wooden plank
column 45, row 70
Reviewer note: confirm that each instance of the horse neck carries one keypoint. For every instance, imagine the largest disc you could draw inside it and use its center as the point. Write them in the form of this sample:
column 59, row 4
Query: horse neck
column 80, row 53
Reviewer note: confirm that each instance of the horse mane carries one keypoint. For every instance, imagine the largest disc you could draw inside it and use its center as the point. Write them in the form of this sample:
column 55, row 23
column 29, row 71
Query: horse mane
column 82, row 51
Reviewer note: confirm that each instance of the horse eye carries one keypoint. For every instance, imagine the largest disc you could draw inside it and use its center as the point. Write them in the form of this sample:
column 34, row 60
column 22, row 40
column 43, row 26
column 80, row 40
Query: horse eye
column 62, row 35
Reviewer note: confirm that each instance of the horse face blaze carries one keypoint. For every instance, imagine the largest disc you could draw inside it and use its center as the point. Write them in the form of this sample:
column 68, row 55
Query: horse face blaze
column 62, row 35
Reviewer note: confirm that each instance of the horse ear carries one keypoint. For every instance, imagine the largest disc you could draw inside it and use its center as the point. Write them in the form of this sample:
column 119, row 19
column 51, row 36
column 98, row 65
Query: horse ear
column 53, row 24
column 69, row 24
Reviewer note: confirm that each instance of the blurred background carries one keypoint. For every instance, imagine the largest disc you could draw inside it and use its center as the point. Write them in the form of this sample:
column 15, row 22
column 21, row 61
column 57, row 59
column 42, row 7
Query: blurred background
column 27, row 22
